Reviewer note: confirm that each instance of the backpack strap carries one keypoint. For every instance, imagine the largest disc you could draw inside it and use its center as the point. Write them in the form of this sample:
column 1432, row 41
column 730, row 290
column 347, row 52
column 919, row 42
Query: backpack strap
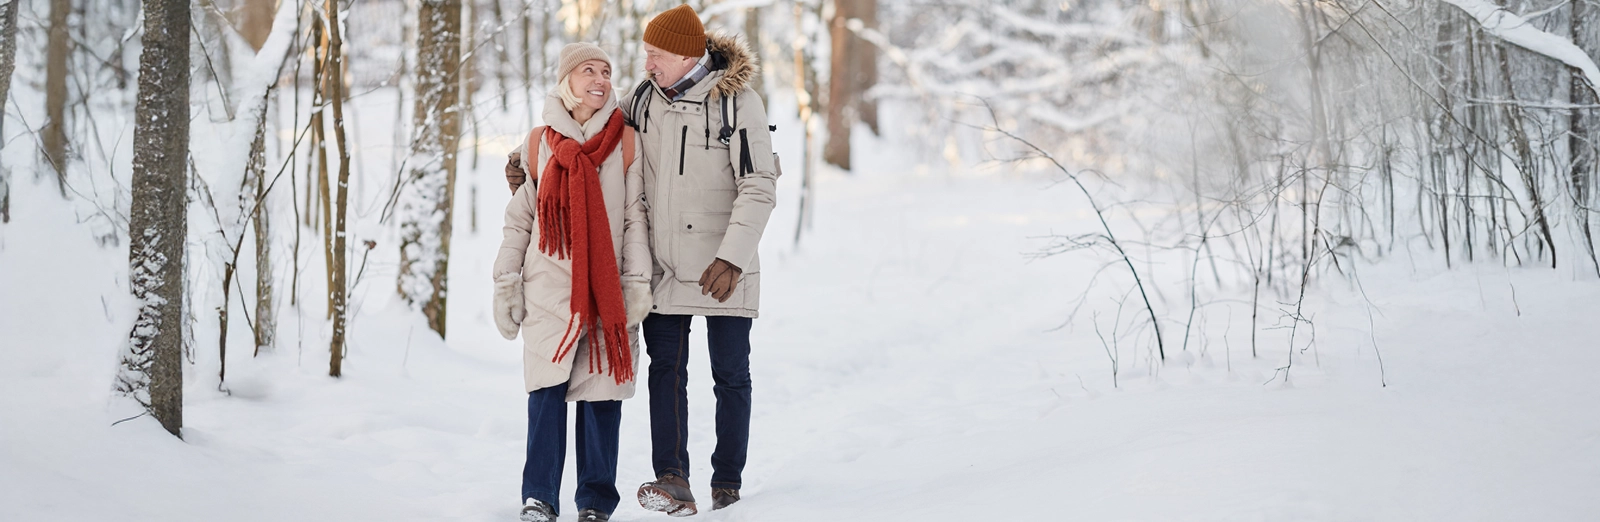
column 530, row 155
column 746, row 166
column 637, row 115
column 627, row 150
column 726, row 133
column 533, row 140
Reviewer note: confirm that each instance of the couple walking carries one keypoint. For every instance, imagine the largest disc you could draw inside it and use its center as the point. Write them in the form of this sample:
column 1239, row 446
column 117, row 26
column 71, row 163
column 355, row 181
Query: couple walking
column 640, row 211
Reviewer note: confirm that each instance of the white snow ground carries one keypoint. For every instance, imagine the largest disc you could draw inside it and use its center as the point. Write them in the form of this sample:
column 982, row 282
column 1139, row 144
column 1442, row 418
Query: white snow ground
column 908, row 366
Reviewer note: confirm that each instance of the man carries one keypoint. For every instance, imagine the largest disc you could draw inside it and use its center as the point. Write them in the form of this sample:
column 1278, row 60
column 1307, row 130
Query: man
column 700, row 195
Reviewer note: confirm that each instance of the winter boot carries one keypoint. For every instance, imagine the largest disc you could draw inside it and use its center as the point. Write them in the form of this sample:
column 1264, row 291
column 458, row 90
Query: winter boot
column 590, row 515
column 538, row 511
column 723, row 497
column 668, row 494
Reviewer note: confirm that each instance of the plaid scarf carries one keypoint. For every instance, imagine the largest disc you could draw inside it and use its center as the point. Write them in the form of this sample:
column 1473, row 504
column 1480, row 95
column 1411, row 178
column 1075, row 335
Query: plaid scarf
column 699, row 72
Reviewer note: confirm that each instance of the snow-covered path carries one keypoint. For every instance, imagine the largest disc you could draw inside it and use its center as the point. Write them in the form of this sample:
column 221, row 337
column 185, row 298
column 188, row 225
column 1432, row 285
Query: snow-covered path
column 907, row 365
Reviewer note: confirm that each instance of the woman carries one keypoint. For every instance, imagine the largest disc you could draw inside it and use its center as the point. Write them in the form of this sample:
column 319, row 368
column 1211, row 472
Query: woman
column 563, row 282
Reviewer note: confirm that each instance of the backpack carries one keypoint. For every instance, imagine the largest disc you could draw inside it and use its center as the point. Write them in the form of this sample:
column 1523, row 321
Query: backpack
column 725, row 134
column 641, row 106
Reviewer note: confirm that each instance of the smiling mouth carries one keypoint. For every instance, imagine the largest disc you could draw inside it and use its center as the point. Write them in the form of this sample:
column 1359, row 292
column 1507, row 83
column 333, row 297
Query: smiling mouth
column 598, row 93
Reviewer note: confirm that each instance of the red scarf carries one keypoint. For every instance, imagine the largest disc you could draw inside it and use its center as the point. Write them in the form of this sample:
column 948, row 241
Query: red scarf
column 573, row 224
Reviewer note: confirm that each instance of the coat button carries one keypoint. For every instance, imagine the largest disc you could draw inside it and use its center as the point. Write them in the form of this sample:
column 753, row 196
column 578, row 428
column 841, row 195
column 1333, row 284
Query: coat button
column 691, row 227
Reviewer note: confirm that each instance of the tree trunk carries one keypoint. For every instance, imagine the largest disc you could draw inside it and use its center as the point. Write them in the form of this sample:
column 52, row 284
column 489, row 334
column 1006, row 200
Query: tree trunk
column 1445, row 51
column 1514, row 118
column 430, row 191
column 337, row 292
column 752, row 33
column 222, row 320
column 55, row 89
column 805, row 83
column 865, row 58
column 218, row 58
column 840, row 96
column 527, row 63
column 152, row 367
column 544, row 44
column 315, row 145
column 266, row 323
column 1580, row 144
column 500, row 51
column 1311, row 33
column 8, row 63
column 852, row 70
column 321, row 77
column 470, row 82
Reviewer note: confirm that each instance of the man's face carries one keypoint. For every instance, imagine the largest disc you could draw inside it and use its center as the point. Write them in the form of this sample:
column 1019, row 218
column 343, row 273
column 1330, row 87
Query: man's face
column 664, row 67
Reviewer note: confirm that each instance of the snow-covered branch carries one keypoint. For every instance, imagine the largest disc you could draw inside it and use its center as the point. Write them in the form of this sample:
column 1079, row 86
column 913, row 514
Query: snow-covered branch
column 1517, row 30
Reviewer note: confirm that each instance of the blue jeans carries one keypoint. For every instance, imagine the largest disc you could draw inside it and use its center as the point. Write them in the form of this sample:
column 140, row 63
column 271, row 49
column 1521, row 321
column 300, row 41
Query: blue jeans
column 598, row 428
column 666, row 339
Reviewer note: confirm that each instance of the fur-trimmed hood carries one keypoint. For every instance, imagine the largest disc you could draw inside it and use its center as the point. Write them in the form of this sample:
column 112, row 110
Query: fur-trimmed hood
column 733, row 68
column 742, row 65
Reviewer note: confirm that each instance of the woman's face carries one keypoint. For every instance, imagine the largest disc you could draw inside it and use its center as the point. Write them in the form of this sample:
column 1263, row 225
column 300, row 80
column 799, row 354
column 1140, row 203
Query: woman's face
column 591, row 81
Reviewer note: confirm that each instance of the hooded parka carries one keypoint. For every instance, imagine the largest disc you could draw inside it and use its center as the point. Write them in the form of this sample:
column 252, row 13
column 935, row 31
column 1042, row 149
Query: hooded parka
column 700, row 198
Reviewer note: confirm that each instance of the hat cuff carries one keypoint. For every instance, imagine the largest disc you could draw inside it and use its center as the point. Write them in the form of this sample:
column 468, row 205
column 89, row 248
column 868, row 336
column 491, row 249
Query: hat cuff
column 691, row 45
column 578, row 56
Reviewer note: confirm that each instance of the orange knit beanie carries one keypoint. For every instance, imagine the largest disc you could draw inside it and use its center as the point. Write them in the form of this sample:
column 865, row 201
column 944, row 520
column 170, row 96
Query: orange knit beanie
column 677, row 31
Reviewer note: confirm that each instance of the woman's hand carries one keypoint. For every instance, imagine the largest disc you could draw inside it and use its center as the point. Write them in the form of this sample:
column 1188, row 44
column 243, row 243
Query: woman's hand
column 508, row 307
column 637, row 300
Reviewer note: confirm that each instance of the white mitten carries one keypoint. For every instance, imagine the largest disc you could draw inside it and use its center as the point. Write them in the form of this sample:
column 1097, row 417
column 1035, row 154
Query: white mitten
column 638, row 300
column 508, row 307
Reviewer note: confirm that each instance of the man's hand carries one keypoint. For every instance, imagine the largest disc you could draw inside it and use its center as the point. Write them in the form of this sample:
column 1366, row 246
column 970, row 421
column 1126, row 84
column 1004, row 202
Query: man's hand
column 514, row 175
column 719, row 280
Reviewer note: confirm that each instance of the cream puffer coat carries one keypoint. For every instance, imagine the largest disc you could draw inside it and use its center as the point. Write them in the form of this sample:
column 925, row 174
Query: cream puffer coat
column 533, row 290
column 695, row 199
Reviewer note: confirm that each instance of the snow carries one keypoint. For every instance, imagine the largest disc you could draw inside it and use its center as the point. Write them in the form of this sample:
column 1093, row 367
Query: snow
column 911, row 363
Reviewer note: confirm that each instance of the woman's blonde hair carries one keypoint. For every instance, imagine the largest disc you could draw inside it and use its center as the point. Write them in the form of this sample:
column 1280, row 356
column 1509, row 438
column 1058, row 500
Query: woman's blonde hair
column 569, row 99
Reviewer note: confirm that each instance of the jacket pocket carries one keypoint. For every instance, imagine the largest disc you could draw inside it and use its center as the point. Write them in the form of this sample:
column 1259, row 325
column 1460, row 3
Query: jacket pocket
column 698, row 236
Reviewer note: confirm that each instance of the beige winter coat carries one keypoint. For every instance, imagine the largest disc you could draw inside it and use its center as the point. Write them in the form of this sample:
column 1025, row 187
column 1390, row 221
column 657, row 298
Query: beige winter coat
column 695, row 200
column 546, row 282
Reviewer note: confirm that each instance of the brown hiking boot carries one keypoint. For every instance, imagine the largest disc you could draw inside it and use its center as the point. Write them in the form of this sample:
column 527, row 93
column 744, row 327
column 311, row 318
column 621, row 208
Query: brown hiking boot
column 722, row 497
column 668, row 494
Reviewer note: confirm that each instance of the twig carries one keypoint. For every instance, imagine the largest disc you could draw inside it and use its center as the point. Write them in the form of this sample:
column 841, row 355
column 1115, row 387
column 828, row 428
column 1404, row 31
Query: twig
column 1110, row 236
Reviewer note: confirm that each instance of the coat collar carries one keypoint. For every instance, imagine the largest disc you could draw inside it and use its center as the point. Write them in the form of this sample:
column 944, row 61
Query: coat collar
column 557, row 117
column 740, row 68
